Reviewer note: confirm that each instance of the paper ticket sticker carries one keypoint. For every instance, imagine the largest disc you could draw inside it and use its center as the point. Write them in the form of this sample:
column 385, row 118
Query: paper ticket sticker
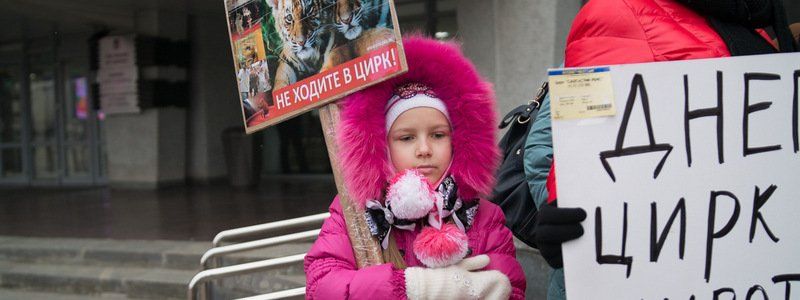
column 581, row 93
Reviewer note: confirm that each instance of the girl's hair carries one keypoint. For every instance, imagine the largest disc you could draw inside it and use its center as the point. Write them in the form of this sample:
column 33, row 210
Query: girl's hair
column 392, row 254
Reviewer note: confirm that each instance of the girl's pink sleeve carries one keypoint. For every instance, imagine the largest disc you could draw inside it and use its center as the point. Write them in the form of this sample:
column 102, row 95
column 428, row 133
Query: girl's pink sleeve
column 331, row 271
column 499, row 246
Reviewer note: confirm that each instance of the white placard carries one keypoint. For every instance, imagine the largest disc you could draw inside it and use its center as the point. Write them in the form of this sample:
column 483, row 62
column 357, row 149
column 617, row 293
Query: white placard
column 118, row 88
column 120, row 103
column 740, row 167
column 118, row 74
column 117, row 50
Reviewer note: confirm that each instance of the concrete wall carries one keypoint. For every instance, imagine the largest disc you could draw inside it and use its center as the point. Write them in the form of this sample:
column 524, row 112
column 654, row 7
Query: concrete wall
column 214, row 103
column 792, row 10
column 537, row 272
column 146, row 150
column 130, row 160
column 184, row 143
column 149, row 149
column 171, row 144
column 513, row 42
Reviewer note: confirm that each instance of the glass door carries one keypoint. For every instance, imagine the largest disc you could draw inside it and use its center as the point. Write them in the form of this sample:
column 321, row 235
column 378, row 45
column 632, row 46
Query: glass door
column 82, row 151
column 12, row 116
column 50, row 133
column 45, row 110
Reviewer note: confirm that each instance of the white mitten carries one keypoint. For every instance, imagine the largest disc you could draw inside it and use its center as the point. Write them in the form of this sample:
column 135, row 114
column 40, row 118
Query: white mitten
column 459, row 281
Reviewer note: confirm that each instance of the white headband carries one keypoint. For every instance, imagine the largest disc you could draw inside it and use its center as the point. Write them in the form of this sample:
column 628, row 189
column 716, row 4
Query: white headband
column 398, row 105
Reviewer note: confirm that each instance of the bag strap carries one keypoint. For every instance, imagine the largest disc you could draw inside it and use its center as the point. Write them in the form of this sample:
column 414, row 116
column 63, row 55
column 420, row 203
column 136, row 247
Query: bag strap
column 522, row 114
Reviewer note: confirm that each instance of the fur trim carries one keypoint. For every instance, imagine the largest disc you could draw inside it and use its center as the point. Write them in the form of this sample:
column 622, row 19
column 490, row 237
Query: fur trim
column 439, row 248
column 363, row 150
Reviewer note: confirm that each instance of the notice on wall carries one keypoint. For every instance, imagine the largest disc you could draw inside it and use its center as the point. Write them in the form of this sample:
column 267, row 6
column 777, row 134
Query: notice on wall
column 692, row 188
column 118, row 75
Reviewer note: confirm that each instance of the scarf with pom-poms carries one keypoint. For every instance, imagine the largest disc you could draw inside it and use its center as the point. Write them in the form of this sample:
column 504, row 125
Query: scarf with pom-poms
column 409, row 199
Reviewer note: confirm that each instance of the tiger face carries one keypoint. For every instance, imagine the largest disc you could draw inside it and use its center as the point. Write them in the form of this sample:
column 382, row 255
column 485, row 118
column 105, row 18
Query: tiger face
column 300, row 23
column 348, row 15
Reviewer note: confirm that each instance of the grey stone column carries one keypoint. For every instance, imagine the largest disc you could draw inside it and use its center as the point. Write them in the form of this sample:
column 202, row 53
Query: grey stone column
column 148, row 150
column 513, row 42
column 215, row 100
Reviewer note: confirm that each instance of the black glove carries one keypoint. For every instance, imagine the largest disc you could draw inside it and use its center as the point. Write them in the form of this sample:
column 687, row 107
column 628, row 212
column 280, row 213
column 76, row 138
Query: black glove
column 553, row 226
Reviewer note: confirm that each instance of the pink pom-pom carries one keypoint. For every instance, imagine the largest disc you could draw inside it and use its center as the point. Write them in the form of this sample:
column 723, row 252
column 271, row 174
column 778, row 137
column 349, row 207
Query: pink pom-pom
column 437, row 248
column 410, row 195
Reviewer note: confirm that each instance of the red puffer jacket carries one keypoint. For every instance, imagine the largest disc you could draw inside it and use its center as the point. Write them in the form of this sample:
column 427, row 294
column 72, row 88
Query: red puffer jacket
column 613, row 32
column 607, row 32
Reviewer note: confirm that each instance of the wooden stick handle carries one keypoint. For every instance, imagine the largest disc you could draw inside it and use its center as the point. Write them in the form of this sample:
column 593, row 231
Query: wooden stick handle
column 366, row 248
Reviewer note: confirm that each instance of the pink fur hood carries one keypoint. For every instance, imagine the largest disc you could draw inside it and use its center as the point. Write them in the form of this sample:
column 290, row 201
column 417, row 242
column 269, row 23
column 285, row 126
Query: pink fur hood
column 470, row 102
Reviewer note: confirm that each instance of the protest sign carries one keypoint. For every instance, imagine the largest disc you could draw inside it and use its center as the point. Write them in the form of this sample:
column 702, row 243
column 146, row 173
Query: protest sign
column 290, row 59
column 690, row 185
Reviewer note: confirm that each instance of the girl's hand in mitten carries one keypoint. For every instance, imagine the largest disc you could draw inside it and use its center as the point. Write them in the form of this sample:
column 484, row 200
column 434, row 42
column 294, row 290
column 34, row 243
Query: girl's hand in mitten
column 459, row 281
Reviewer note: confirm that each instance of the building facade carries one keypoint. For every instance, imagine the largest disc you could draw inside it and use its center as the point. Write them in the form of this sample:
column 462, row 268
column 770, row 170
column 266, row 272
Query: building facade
column 54, row 133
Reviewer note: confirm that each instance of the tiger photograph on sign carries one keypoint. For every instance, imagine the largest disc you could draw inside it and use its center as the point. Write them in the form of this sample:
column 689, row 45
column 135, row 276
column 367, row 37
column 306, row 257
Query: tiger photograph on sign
column 291, row 56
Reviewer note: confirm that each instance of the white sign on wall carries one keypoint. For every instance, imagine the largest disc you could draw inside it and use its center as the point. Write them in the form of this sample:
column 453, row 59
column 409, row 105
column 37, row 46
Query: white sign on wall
column 118, row 74
column 691, row 187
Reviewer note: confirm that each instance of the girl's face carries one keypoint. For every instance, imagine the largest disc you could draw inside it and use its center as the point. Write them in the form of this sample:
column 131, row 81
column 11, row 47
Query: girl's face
column 420, row 139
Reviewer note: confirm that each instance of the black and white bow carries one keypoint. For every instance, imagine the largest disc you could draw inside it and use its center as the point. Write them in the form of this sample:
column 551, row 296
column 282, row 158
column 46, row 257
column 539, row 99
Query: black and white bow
column 380, row 219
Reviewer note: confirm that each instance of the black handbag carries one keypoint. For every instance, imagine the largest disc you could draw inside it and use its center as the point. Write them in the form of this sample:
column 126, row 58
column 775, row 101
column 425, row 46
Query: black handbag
column 511, row 192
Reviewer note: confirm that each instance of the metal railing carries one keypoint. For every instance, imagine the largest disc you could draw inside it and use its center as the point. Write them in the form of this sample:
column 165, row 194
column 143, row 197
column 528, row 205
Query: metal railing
column 267, row 227
column 253, row 245
column 279, row 295
column 212, row 271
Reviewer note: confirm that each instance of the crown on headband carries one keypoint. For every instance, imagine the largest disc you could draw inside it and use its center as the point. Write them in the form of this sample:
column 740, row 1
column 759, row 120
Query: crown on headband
column 412, row 89
column 412, row 95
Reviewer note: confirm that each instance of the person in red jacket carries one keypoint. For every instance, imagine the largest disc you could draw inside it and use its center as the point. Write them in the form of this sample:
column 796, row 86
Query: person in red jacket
column 607, row 32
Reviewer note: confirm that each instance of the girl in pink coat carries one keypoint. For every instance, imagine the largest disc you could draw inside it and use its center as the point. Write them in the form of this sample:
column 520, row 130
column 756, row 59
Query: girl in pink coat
column 418, row 152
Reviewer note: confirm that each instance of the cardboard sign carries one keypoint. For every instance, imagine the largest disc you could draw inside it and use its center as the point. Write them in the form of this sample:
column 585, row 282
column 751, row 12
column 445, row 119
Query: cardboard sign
column 692, row 189
column 289, row 60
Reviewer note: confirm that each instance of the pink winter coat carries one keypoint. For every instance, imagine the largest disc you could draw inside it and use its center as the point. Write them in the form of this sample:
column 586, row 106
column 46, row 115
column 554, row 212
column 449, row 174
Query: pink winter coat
column 330, row 266
column 331, row 271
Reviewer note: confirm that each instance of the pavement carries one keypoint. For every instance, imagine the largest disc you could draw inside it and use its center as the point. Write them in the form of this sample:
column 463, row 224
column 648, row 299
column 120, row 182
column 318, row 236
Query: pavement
column 189, row 213
column 105, row 243
column 65, row 268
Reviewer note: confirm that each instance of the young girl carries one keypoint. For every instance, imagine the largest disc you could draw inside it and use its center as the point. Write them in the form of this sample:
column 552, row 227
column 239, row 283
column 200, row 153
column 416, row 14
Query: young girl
column 435, row 122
